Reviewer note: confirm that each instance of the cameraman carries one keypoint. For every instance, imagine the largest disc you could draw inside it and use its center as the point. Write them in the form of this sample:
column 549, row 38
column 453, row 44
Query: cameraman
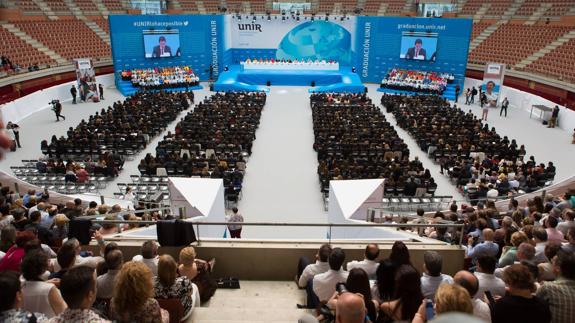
column 57, row 107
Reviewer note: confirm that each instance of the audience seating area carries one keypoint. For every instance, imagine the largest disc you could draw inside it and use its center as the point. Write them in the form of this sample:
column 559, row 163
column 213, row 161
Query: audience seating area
column 559, row 62
column 353, row 140
column 211, row 141
column 511, row 43
column 471, row 153
column 21, row 53
column 83, row 42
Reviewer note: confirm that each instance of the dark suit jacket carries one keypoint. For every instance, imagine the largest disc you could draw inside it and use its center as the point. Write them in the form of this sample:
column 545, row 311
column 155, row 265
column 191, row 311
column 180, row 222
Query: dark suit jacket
column 156, row 52
column 411, row 53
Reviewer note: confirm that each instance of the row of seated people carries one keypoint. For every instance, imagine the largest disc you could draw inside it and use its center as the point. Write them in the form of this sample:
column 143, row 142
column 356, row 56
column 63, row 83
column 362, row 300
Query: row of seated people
column 108, row 164
column 125, row 125
column 353, row 140
column 417, row 81
column 462, row 144
column 523, row 256
column 278, row 61
column 161, row 77
column 211, row 140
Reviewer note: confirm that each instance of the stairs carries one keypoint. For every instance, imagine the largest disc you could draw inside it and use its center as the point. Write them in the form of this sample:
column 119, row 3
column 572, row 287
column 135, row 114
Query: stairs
column 92, row 25
column 46, row 9
column 254, row 302
column 103, row 10
column 460, row 4
column 545, row 50
column 484, row 34
column 409, row 6
column 34, row 43
column 543, row 7
column 481, row 12
column 382, row 9
column 508, row 14
column 201, row 8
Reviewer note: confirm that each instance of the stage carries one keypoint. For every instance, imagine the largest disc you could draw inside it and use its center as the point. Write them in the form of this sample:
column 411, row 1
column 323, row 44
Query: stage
column 127, row 89
column 238, row 79
column 449, row 92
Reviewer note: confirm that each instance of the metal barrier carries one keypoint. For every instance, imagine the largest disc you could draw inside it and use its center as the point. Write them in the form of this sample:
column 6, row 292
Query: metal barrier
column 330, row 226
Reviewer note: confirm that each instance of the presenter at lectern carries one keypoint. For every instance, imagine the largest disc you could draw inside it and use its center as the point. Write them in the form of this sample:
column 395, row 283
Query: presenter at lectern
column 416, row 52
column 162, row 50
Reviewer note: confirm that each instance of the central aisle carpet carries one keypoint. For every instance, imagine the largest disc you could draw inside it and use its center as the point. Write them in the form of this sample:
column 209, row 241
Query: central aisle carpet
column 281, row 182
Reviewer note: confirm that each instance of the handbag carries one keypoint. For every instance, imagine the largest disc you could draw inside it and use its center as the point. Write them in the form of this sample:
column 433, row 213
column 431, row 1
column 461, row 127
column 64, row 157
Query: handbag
column 229, row 283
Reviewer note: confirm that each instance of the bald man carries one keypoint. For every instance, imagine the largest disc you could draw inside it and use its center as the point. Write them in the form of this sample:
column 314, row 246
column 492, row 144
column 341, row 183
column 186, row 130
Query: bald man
column 469, row 281
column 486, row 248
column 369, row 264
column 350, row 308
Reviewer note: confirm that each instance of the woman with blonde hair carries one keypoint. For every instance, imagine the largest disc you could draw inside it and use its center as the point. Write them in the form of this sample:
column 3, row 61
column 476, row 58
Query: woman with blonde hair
column 133, row 300
column 448, row 298
column 509, row 254
column 168, row 285
column 198, row 271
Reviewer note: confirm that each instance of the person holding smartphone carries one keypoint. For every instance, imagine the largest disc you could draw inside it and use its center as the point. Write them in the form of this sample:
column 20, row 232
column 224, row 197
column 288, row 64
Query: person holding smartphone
column 448, row 298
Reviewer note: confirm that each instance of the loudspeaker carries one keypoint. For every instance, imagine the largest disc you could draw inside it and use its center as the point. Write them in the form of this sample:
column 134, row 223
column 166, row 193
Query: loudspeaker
column 312, row 83
column 268, row 83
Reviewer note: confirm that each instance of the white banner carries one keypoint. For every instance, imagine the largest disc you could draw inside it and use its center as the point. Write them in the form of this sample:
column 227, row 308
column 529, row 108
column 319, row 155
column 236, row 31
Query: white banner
column 493, row 81
column 268, row 34
column 86, row 80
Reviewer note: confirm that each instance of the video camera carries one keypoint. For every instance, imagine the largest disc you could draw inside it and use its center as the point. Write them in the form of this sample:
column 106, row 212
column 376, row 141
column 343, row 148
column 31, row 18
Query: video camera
column 327, row 312
column 53, row 103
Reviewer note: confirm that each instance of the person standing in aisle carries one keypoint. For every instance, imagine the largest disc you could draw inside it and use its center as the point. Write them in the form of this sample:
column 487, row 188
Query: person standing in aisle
column 504, row 106
column 457, row 90
column 235, row 229
column 15, row 129
column 101, row 90
column 58, row 111
column 74, row 92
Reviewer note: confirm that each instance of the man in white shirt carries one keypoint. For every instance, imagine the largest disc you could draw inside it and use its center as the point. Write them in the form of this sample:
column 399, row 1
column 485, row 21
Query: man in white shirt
column 106, row 282
column 149, row 256
column 432, row 276
column 540, row 238
column 468, row 281
column 310, row 270
column 487, row 280
column 492, row 193
column 324, row 284
column 369, row 264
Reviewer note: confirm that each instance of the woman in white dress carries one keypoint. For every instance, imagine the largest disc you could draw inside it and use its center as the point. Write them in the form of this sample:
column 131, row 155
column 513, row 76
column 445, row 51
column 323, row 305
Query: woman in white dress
column 39, row 295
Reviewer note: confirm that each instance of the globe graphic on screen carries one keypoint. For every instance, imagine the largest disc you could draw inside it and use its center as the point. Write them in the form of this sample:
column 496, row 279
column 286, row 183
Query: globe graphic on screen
column 316, row 40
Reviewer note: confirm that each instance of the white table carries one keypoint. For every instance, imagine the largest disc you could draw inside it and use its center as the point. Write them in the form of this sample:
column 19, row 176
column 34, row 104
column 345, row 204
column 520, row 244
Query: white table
column 303, row 66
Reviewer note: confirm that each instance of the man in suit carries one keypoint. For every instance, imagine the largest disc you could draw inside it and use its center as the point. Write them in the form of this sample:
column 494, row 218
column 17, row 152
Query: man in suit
column 416, row 51
column 162, row 50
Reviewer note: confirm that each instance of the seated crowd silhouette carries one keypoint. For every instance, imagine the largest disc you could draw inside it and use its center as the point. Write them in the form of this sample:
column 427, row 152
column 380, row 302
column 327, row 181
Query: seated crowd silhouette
column 473, row 154
column 353, row 140
column 125, row 127
column 211, row 141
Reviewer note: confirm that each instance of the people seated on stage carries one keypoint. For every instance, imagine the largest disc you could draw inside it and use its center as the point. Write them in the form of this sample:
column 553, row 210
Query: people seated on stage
column 353, row 140
column 466, row 148
column 283, row 61
column 417, row 81
column 162, row 77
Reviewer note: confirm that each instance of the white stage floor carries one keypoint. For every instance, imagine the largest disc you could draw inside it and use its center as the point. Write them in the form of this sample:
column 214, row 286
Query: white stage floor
column 281, row 183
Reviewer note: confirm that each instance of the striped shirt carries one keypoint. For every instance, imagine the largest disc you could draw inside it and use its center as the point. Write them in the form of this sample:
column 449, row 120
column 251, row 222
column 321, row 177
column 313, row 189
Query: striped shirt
column 560, row 295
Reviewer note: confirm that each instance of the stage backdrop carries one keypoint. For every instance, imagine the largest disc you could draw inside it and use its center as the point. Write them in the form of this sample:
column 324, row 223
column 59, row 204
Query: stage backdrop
column 371, row 44
column 380, row 40
column 194, row 40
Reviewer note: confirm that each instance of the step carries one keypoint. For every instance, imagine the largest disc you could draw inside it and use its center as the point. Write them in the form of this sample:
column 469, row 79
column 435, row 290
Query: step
column 253, row 315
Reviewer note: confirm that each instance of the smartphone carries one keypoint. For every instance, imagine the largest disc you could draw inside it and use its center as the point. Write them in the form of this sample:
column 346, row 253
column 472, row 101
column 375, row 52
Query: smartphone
column 429, row 312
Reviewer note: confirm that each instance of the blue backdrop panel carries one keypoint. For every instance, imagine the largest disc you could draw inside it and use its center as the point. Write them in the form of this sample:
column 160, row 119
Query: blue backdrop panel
column 201, row 42
column 380, row 41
